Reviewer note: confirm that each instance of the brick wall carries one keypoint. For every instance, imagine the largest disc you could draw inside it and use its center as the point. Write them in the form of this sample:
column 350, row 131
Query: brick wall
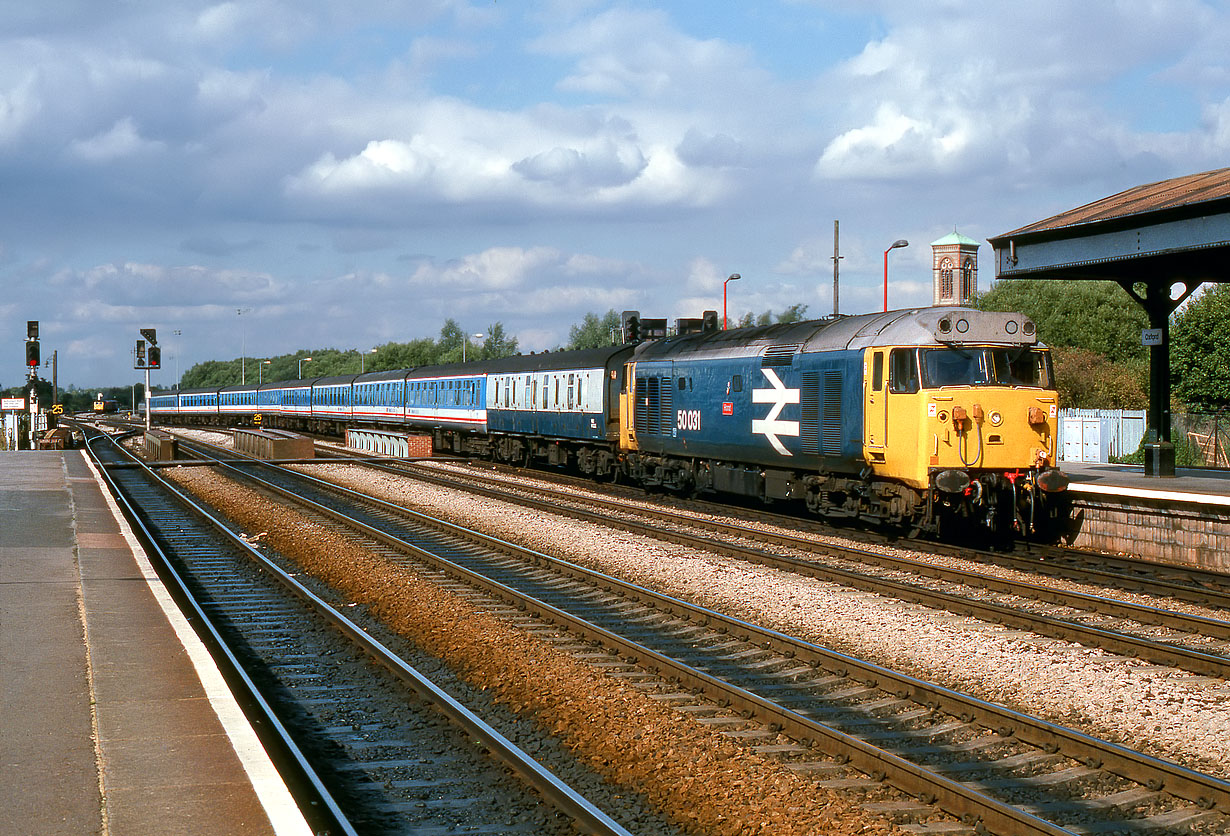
column 1190, row 534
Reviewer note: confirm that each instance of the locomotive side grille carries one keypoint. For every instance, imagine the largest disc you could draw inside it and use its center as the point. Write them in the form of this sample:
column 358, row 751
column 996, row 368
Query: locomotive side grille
column 779, row 355
column 809, row 440
column 831, row 430
column 647, row 397
column 666, row 407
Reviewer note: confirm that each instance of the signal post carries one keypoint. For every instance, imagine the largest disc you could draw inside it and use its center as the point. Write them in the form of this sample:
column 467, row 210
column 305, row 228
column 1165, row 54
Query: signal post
column 148, row 358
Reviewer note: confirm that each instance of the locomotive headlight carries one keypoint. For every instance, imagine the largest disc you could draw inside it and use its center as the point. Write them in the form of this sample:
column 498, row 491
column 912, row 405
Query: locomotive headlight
column 996, row 419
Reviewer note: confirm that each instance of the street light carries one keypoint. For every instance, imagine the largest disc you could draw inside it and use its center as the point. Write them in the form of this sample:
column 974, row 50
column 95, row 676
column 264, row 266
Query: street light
column 302, row 360
column 363, row 360
column 261, row 377
column 243, row 345
column 734, row 277
column 466, row 341
column 900, row 242
column 177, row 333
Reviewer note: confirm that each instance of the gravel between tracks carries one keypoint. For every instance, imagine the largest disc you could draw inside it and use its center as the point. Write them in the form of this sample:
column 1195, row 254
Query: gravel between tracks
column 1158, row 710
column 699, row 779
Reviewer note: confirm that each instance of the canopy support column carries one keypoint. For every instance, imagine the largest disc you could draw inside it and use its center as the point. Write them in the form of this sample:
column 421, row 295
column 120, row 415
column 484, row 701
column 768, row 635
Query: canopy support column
column 1155, row 297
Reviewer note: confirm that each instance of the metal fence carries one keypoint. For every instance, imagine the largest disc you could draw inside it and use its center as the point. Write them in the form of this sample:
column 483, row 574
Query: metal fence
column 1094, row 435
column 1201, row 439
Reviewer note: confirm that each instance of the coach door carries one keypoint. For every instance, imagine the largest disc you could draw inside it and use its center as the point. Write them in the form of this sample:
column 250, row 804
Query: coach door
column 875, row 404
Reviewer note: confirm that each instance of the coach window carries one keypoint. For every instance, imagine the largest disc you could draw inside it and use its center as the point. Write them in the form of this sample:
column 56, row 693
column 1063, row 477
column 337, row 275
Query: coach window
column 903, row 371
column 571, row 389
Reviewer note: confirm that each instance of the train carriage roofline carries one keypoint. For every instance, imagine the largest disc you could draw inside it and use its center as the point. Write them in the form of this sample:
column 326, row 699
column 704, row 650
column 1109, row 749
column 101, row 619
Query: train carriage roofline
column 335, row 380
column 390, row 376
column 908, row 327
column 546, row 361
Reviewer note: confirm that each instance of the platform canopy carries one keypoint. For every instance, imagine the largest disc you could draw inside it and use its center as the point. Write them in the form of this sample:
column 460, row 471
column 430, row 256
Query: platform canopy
column 1159, row 241
column 1177, row 229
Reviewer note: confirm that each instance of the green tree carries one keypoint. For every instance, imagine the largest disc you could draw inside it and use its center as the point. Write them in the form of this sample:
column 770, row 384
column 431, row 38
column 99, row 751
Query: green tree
column 498, row 343
column 1200, row 350
column 795, row 313
column 1098, row 316
column 1093, row 329
column 1087, row 380
column 595, row 331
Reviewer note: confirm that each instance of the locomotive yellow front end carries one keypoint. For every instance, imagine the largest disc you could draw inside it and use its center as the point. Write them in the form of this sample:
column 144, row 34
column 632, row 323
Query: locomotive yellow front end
column 968, row 423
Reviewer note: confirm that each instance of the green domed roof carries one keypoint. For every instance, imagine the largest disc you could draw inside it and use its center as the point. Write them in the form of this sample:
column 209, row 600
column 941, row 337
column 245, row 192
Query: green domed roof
column 955, row 237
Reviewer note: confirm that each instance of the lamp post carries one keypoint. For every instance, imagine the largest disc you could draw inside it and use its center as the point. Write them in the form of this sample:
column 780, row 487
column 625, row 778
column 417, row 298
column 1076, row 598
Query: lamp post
column 363, row 360
column 734, row 277
column 466, row 341
column 177, row 333
column 302, row 360
column 260, row 378
column 900, row 242
column 243, row 345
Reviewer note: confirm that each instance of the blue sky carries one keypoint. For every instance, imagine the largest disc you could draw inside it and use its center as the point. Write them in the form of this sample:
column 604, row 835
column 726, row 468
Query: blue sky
column 350, row 174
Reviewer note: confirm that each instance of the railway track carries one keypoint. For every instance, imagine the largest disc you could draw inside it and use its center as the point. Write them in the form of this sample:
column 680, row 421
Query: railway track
column 1190, row 584
column 374, row 745
column 1153, row 633
column 998, row 769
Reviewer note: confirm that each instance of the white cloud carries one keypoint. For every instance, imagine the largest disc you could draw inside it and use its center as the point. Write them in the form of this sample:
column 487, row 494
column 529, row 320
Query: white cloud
column 122, row 140
column 607, row 164
column 499, row 268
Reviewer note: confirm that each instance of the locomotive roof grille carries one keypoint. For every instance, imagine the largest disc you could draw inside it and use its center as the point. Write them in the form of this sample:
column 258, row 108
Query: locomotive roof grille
column 780, row 355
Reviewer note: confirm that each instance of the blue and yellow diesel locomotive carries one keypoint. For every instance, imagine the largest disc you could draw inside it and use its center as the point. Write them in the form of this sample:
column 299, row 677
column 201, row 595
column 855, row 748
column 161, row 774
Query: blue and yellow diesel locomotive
column 920, row 418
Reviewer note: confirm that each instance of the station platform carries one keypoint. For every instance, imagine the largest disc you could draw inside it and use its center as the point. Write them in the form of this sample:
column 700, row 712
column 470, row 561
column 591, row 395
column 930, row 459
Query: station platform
column 1188, row 484
column 113, row 717
column 1182, row 519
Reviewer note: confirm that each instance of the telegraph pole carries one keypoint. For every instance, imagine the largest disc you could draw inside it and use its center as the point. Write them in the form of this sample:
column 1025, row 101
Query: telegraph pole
column 836, row 258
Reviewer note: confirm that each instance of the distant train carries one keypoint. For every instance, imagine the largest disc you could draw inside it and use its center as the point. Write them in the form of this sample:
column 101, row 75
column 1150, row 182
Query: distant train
column 102, row 405
column 933, row 420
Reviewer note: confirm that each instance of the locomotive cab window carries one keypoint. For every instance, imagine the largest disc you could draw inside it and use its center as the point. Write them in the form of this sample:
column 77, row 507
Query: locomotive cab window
column 987, row 367
column 736, row 383
column 877, row 371
column 903, row 371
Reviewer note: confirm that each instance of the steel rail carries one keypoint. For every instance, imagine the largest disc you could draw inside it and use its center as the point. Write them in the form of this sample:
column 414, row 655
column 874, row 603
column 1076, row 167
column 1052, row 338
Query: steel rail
column 1195, row 661
column 558, row 793
column 1183, row 622
column 1205, row 791
column 1207, row 587
column 318, row 803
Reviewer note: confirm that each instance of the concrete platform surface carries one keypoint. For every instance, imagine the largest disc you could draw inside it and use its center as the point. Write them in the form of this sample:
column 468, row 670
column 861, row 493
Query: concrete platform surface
column 1189, row 483
column 113, row 717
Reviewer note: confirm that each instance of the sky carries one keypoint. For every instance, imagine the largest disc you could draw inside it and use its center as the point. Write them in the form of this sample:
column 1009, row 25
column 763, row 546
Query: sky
column 259, row 176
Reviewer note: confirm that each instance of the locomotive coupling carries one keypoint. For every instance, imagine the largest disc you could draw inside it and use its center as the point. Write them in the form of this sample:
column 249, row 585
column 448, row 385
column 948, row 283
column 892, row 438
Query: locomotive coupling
column 959, row 417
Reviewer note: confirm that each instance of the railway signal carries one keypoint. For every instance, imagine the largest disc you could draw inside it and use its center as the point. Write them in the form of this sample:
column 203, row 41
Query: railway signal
column 632, row 326
column 148, row 358
column 32, row 349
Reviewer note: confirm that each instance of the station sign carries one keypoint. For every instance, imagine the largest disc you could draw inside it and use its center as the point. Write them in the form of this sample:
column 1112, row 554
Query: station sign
column 12, row 404
column 1151, row 336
